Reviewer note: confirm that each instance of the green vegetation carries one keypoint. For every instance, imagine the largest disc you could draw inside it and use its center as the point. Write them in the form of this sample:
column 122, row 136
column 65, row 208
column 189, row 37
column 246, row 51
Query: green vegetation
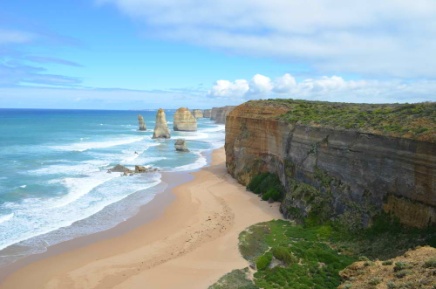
column 237, row 279
column 268, row 186
column 414, row 121
column 430, row 263
column 286, row 255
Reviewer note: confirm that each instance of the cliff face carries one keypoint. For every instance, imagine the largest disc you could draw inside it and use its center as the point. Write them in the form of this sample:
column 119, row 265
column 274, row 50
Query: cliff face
column 219, row 114
column 343, row 174
column 161, row 128
column 184, row 120
column 207, row 113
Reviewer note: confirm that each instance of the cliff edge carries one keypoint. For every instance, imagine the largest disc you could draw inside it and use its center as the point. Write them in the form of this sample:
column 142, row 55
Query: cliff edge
column 347, row 162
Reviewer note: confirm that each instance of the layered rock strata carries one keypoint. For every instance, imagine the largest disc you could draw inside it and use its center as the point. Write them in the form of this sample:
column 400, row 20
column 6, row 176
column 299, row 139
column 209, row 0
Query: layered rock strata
column 219, row 114
column 345, row 175
column 141, row 122
column 161, row 128
column 184, row 120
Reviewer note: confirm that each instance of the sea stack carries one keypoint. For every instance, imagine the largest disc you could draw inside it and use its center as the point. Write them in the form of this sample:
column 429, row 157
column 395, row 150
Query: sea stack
column 180, row 145
column 184, row 120
column 161, row 128
column 141, row 123
column 198, row 113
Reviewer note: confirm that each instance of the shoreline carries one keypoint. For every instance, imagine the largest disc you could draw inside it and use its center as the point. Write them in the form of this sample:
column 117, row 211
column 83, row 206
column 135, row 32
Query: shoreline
column 146, row 213
column 188, row 232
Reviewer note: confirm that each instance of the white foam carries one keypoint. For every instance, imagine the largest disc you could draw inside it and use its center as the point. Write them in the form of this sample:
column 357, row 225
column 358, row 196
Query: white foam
column 23, row 186
column 83, row 146
column 199, row 163
column 5, row 218
column 34, row 217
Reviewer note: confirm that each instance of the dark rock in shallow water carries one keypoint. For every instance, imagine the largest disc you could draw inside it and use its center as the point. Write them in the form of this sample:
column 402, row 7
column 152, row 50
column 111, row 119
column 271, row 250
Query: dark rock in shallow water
column 141, row 122
column 180, row 145
column 120, row 169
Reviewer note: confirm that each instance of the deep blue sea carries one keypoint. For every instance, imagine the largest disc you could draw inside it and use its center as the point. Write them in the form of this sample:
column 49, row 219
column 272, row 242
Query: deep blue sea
column 54, row 184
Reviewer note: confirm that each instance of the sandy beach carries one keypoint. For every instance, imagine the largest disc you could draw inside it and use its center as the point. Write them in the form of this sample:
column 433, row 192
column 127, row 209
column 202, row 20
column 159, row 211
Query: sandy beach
column 189, row 243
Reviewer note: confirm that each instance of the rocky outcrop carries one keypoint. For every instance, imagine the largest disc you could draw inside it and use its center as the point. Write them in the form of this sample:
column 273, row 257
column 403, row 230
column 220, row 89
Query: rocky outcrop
column 120, row 169
column 141, row 122
column 184, row 120
column 207, row 113
column 400, row 272
column 330, row 173
column 198, row 113
column 161, row 128
column 219, row 114
column 142, row 169
column 180, row 145
column 138, row 170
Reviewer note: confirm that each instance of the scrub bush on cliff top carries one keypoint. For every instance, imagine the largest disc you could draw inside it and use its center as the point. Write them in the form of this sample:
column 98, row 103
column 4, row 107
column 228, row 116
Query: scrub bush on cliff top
column 413, row 121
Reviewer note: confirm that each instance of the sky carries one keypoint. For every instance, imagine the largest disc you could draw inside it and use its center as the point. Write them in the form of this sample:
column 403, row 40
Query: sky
column 144, row 54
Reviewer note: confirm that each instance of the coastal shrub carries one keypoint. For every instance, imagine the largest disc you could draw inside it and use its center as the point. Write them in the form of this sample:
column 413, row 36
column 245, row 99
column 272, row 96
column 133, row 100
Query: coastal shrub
column 263, row 261
column 253, row 185
column 430, row 263
column 272, row 194
column 283, row 254
column 268, row 185
column 237, row 279
column 415, row 121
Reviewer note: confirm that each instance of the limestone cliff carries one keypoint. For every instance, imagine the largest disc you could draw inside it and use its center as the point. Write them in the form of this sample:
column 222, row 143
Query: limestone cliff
column 184, row 120
column 207, row 113
column 219, row 114
column 197, row 113
column 141, row 123
column 161, row 128
column 345, row 174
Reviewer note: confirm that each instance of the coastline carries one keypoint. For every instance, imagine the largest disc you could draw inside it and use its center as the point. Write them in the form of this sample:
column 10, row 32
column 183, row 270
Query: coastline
column 189, row 232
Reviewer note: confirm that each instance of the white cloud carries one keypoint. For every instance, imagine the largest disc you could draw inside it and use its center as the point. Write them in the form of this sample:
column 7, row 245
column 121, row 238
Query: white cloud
column 284, row 84
column 225, row 88
column 260, row 85
column 389, row 38
column 329, row 88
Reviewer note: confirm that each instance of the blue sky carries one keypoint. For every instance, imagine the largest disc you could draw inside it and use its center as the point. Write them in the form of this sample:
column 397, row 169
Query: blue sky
column 129, row 54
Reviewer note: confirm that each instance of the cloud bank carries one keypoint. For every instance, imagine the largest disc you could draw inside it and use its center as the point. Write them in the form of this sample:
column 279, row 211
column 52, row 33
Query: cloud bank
column 325, row 88
column 372, row 38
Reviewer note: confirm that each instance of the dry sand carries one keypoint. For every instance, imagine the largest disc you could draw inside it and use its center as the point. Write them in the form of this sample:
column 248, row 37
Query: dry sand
column 190, row 245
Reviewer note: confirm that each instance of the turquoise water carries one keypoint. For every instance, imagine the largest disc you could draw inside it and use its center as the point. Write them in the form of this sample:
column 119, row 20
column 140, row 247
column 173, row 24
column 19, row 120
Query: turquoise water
column 54, row 184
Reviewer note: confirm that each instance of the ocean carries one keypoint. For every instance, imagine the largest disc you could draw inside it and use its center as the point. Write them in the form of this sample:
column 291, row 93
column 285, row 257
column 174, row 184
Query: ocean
column 54, row 180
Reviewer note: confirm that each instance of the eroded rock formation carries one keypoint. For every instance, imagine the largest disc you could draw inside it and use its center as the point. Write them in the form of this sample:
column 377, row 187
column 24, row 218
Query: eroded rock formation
column 184, row 120
column 198, row 113
column 180, row 145
column 141, row 122
column 161, row 128
column 219, row 114
column 347, row 175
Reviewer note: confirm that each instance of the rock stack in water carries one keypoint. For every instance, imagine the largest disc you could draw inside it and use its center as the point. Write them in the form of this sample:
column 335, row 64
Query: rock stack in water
column 180, row 145
column 161, row 128
column 184, row 120
column 141, row 123
column 198, row 113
